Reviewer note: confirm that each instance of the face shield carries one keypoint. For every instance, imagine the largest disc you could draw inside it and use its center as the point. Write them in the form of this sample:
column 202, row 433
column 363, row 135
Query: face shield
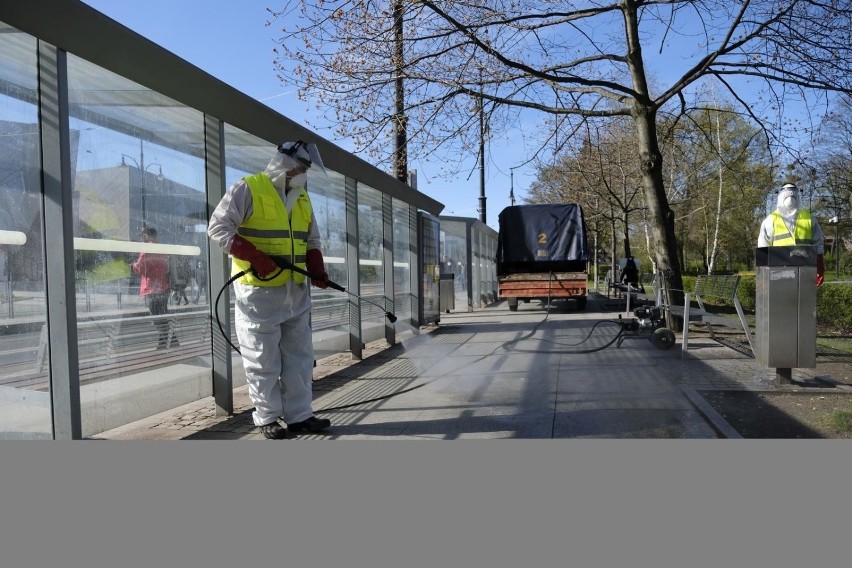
column 789, row 201
column 300, row 162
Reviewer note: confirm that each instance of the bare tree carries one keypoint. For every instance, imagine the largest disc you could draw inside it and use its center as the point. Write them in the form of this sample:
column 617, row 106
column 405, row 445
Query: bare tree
column 576, row 60
column 602, row 175
column 718, row 177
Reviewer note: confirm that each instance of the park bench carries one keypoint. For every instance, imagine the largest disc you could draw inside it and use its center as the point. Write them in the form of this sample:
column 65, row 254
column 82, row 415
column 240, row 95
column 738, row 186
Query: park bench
column 620, row 289
column 707, row 286
column 631, row 293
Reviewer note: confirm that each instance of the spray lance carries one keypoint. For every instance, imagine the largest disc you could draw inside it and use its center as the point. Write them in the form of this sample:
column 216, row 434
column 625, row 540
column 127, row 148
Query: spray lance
column 285, row 264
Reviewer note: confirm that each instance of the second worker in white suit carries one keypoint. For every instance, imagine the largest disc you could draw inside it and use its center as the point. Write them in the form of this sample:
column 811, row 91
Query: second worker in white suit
column 261, row 216
column 790, row 225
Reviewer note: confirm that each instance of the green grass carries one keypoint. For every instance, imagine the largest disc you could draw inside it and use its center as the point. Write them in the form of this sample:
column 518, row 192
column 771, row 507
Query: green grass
column 840, row 343
column 840, row 420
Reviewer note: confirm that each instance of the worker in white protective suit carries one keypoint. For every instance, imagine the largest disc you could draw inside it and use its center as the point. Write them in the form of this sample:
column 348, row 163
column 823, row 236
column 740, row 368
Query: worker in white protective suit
column 791, row 225
column 261, row 218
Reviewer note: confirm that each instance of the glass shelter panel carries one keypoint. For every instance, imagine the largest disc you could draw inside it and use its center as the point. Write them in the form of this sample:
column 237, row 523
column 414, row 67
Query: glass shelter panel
column 454, row 259
column 139, row 220
column 330, row 308
column 429, row 269
column 479, row 266
column 489, row 284
column 245, row 154
column 370, row 263
column 25, row 398
column 403, row 299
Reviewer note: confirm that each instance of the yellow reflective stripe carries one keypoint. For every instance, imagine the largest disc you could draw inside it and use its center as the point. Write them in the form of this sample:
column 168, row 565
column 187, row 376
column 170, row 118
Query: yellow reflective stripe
column 264, row 233
column 280, row 236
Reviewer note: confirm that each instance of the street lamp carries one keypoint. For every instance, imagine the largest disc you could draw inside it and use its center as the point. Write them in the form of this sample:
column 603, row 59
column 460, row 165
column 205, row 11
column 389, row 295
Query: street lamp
column 512, row 184
column 143, row 169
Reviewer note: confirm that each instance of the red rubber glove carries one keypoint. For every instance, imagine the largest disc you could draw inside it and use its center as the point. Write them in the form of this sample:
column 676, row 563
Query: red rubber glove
column 820, row 270
column 260, row 261
column 316, row 267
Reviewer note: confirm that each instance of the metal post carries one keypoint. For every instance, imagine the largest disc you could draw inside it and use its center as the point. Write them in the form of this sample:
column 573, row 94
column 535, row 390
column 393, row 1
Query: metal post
column 783, row 376
column 482, row 210
column 142, row 184
column 836, row 250
column 10, row 299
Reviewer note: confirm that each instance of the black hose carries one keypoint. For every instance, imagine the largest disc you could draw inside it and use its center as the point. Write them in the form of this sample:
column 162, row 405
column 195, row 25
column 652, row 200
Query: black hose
column 331, row 284
column 227, row 336
column 284, row 264
column 392, row 318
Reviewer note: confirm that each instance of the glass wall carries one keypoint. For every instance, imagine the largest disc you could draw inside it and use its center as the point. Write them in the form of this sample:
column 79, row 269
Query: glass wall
column 429, row 246
column 140, row 246
column 25, row 403
column 468, row 250
column 403, row 259
column 454, row 259
column 371, row 263
column 130, row 184
column 245, row 154
column 484, row 252
column 330, row 312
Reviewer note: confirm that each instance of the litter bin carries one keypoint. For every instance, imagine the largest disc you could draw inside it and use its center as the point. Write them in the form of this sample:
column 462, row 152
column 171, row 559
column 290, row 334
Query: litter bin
column 447, row 292
column 785, row 311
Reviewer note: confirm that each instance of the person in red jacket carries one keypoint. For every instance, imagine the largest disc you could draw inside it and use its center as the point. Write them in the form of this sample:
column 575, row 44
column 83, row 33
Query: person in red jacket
column 261, row 218
column 153, row 268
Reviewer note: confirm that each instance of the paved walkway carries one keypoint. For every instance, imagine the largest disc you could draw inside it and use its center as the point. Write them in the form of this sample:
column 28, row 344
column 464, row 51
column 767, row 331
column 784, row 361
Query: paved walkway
column 493, row 373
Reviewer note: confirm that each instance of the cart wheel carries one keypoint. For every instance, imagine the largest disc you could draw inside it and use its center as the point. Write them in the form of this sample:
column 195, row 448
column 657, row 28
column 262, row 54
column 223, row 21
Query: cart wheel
column 663, row 338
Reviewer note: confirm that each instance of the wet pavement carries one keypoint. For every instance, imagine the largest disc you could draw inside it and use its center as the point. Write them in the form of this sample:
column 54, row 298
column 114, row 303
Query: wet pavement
column 496, row 374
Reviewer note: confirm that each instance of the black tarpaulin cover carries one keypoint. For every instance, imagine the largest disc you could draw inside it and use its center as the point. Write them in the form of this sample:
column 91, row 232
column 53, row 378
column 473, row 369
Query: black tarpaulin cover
column 545, row 233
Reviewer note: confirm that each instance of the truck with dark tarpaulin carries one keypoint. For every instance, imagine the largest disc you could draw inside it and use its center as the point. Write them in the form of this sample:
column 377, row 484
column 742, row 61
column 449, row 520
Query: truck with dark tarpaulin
column 542, row 254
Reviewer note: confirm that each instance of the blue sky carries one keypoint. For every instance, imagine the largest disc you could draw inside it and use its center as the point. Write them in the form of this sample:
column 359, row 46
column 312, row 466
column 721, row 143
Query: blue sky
column 231, row 41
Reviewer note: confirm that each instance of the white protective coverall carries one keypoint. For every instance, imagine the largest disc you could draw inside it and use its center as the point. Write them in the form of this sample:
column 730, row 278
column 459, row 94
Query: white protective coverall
column 788, row 206
column 272, row 322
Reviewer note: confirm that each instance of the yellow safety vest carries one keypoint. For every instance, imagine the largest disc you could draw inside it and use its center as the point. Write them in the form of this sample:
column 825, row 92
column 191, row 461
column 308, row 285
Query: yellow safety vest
column 803, row 234
column 272, row 231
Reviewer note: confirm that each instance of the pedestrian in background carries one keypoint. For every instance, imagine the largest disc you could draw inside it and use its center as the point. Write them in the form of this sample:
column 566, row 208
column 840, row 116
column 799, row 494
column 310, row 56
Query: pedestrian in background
column 179, row 274
column 200, row 280
column 153, row 269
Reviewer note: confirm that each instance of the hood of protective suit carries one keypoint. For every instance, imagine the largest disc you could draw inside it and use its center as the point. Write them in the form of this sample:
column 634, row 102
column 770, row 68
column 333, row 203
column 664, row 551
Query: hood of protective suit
column 789, row 201
column 305, row 158
column 278, row 167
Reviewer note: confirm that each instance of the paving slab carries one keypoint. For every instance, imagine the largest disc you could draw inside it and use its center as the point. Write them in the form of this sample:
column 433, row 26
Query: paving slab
column 497, row 374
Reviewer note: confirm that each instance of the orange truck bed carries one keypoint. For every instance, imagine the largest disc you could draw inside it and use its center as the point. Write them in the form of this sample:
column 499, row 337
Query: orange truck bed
column 541, row 286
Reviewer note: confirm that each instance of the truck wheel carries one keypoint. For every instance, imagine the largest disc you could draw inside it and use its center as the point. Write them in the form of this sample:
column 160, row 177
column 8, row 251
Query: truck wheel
column 513, row 304
column 663, row 338
column 581, row 303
